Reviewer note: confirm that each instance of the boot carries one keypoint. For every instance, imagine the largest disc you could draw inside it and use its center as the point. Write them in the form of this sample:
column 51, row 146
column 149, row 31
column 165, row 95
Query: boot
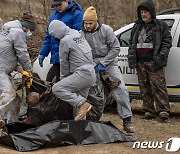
column 127, row 125
column 82, row 110
column 164, row 115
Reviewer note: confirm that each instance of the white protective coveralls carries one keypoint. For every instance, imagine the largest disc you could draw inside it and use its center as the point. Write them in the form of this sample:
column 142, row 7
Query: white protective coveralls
column 13, row 50
column 76, row 70
column 105, row 49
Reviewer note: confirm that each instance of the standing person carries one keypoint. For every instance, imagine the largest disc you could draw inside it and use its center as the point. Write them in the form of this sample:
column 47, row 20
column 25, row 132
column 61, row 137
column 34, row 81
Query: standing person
column 105, row 49
column 150, row 43
column 13, row 53
column 76, row 69
column 69, row 12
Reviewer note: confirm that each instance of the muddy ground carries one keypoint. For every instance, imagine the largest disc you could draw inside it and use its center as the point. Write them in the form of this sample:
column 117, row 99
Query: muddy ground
column 145, row 130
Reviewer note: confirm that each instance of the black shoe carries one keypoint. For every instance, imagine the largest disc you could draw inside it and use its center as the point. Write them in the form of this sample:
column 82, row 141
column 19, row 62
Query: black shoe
column 127, row 125
column 148, row 116
column 164, row 115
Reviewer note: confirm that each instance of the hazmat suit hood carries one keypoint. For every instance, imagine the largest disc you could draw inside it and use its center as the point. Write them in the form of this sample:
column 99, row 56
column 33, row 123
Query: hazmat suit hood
column 12, row 24
column 58, row 29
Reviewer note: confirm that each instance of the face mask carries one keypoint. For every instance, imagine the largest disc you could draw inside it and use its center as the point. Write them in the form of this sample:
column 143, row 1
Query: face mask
column 28, row 34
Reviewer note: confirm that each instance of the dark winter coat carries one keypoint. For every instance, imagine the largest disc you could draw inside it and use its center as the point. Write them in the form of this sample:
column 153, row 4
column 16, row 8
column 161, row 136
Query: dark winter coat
column 162, row 40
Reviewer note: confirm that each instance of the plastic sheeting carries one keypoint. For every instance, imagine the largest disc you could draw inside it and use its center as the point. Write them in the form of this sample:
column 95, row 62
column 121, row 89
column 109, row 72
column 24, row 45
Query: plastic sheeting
column 59, row 133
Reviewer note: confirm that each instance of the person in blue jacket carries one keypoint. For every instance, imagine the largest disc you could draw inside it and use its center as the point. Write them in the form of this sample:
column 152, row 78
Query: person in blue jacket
column 69, row 12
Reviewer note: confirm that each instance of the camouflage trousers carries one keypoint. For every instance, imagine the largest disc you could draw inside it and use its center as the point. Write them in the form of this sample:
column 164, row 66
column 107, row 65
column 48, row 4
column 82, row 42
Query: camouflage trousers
column 153, row 88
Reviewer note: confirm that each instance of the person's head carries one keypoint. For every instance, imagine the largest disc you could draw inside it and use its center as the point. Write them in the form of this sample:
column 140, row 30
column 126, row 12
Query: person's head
column 58, row 29
column 28, row 23
column 32, row 99
column 60, row 5
column 90, row 19
column 146, row 11
column 145, row 14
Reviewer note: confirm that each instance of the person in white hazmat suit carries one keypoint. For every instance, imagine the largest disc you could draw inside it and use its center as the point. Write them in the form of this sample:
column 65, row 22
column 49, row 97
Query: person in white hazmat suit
column 105, row 49
column 76, row 70
column 13, row 56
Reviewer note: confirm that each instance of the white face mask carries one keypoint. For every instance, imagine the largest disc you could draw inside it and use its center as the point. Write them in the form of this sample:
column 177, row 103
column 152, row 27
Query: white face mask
column 28, row 34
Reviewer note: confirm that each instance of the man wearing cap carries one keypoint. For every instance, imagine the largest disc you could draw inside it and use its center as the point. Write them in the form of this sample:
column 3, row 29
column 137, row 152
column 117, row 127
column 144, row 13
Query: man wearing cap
column 105, row 48
column 69, row 12
column 77, row 71
column 13, row 56
column 150, row 44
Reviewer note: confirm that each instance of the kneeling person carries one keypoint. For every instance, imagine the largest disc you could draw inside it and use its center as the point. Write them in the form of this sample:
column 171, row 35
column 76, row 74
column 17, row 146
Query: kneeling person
column 76, row 70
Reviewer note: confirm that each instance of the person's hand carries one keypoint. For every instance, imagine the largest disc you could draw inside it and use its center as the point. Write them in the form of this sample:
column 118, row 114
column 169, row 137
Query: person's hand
column 99, row 68
column 29, row 79
column 41, row 59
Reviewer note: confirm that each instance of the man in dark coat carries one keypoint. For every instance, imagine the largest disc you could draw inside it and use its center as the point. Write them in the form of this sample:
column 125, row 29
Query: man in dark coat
column 150, row 44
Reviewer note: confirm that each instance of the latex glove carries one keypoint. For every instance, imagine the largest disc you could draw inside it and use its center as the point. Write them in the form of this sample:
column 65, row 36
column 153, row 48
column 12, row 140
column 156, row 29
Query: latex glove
column 99, row 68
column 29, row 78
column 41, row 59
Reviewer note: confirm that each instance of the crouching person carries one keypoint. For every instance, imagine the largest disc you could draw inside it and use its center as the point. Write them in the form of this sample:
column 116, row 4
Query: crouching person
column 76, row 70
column 13, row 53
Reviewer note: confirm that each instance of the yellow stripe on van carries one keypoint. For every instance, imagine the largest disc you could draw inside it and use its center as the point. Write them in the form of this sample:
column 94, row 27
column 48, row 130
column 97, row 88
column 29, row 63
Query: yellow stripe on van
column 137, row 87
column 173, row 89
column 132, row 87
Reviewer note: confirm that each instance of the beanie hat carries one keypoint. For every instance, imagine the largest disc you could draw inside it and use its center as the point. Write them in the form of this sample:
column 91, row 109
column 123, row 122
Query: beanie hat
column 90, row 14
column 28, row 21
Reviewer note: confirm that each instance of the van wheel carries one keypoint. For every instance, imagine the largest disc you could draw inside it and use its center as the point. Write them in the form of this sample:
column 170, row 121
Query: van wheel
column 51, row 74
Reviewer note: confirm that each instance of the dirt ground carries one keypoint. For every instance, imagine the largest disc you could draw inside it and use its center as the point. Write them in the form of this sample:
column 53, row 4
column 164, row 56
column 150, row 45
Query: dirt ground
column 145, row 130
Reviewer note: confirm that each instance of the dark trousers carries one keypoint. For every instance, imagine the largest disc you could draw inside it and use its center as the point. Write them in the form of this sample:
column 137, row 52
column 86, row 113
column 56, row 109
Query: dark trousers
column 54, row 72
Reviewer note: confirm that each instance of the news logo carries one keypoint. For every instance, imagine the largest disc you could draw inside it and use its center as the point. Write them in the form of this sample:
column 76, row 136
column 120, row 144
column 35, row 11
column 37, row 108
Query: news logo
column 172, row 144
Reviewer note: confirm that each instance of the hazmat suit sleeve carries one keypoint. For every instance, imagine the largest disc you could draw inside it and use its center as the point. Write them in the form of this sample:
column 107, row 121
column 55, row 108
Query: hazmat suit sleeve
column 20, row 47
column 114, row 47
column 64, row 61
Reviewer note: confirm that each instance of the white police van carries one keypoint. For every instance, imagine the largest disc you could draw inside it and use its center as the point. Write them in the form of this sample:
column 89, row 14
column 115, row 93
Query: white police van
column 172, row 70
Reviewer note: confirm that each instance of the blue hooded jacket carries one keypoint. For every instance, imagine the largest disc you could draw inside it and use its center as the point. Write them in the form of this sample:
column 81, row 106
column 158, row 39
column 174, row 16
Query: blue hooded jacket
column 72, row 17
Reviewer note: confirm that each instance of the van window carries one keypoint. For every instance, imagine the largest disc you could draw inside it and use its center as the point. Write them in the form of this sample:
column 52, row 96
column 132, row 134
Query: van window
column 169, row 22
column 124, row 38
column 178, row 45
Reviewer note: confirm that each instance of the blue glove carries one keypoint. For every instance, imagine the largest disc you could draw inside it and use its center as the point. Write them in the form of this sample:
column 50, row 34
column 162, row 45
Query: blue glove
column 41, row 59
column 99, row 68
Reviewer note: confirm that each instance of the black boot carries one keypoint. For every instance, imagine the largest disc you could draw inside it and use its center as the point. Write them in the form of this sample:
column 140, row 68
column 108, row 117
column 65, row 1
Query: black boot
column 127, row 125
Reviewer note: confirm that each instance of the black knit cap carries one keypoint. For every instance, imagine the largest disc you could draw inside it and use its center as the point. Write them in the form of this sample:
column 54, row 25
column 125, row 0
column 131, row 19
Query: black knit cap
column 56, row 2
column 27, row 20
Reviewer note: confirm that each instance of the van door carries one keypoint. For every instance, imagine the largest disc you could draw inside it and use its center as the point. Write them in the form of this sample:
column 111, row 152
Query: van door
column 172, row 70
column 129, row 75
